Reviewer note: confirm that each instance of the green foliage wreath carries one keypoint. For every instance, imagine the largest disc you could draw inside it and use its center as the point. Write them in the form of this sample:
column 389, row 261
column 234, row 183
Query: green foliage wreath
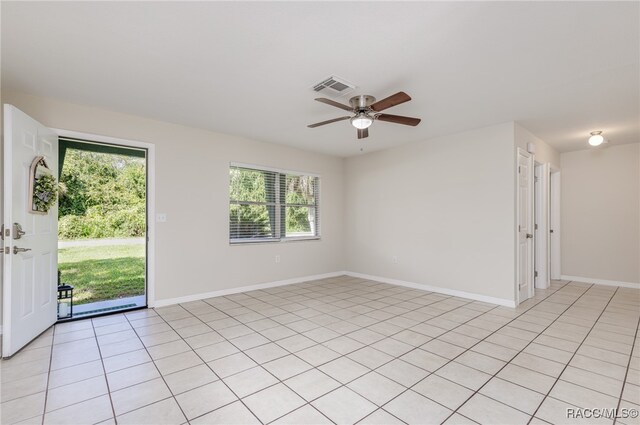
column 45, row 192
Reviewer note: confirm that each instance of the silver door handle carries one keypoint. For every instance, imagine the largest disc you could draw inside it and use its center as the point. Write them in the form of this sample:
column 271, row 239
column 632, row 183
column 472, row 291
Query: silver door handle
column 529, row 236
column 17, row 231
column 17, row 250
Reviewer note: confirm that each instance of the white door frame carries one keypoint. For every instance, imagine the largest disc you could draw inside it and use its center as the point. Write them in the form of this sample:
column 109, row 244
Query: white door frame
column 151, row 196
column 522, row 152
column 541, row 240
column 555, row 270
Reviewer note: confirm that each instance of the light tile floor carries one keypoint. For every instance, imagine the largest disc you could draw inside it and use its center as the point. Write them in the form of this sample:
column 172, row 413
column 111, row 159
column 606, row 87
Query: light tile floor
column 341, row 350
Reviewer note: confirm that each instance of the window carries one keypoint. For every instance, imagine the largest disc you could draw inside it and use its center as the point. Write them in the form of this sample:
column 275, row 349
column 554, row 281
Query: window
column 272, row 205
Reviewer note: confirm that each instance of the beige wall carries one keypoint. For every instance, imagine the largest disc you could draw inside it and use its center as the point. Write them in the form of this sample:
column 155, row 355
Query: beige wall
column 444, row 207
column 601, row 213
column 193, row 254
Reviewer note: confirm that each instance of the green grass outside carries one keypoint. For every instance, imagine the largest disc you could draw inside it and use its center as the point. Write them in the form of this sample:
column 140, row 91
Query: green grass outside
column 100, row 273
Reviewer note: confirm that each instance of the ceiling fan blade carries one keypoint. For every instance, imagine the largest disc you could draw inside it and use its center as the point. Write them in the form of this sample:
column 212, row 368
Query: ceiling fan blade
column 390, row 101
column 334, row 103
column 362, row 133
column 318, row 124
column 398, row 119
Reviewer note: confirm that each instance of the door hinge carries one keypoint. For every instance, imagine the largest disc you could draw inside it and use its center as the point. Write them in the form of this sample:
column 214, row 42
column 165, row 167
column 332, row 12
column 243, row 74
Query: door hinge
column 518, row 169
column 536, row 226
column 519, row 228
column 535, row 273
column 536, row 179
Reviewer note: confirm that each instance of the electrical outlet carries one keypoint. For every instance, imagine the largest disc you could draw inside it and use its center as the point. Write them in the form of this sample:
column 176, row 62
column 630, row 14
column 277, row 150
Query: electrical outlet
column 277, row 258
column 394, row 259
column 161, row 218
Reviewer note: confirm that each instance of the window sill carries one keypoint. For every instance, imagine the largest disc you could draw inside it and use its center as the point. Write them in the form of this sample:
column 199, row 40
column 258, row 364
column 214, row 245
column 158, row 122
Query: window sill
column 272, row 241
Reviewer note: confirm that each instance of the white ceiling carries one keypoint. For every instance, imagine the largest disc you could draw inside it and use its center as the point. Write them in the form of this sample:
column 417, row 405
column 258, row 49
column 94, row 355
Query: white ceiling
column 561, row 69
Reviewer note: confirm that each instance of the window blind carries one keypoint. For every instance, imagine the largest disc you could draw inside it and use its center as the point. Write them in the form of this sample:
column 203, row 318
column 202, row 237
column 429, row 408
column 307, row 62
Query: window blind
column 270, row 205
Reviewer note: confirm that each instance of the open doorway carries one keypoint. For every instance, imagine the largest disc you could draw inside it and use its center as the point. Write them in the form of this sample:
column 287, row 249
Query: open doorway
column 102, row 228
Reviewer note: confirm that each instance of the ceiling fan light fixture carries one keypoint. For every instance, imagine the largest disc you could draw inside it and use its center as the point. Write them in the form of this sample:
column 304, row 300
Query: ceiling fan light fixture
column 596, row 138
column 366, row 110
column 361, row 121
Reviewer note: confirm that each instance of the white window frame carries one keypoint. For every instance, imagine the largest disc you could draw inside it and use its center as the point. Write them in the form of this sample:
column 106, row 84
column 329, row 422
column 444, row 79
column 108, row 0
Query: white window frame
column 279, row 171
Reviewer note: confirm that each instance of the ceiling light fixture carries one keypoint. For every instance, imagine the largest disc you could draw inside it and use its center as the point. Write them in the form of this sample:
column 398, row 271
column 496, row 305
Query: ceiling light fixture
column 596, row 138
column 361, row 121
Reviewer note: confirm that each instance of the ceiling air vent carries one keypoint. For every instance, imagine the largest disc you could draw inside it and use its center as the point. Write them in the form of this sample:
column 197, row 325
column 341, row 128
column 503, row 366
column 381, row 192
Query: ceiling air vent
column 334, row 86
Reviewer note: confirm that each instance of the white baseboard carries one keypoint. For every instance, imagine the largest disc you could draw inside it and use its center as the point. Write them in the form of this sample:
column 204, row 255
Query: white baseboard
column 201, row 296
column 440, row 290
column 437, row 289
column 634, row 285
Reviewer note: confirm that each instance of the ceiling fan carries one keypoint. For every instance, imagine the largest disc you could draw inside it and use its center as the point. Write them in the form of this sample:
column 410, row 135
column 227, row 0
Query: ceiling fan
column 366, row 110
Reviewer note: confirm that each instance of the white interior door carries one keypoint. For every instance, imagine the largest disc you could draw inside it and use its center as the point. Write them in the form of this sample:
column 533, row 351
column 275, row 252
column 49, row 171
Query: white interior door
column 554, row 225
column 541, row 235
column 30, row 259
column 525, row 226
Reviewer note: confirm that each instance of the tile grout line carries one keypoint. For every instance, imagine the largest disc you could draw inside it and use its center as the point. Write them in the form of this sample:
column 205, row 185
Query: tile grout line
column 390, row 336
column 495, row 375
column 467, row 350
column 113, row 410
column 481, row 313
column 125, row 352
column 624, row 381
column 81, row 380
column 294, row 353
column 560, row 363
column 572, row 356
column 346, row 295
column 130, row 367
column 46, row 388
column 366, row 345
column 556, row 378
column 586, row 344
column 399, row 302
column 478, row 316
column 159, row 372
column 370, row 345
column 210, row 368
column 204, row 362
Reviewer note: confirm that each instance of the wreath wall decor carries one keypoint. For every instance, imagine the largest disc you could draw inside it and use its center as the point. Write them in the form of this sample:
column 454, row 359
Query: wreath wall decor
column 45, row 192
column 43, row 187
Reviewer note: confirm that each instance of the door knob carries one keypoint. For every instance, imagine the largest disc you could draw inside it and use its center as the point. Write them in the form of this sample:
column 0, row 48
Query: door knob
column 529, row 236
column 17, row 231
column 17, row 250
